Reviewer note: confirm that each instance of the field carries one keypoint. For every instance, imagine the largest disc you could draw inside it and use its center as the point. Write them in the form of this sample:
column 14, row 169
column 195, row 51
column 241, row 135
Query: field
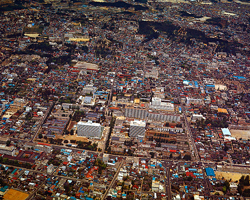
column 33, row 29
column 244, row 134
column 15, row 195
column 72, row 137
column 229, row 175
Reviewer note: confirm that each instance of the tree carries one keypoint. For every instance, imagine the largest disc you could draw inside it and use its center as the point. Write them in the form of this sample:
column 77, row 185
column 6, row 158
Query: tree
column 8, row 143
column 224, row 189
column 189, row 178
column 227, row 185
column 246, row 181
column 40, row 136
column 187, row 157
column 226, row 148
column 152, row 154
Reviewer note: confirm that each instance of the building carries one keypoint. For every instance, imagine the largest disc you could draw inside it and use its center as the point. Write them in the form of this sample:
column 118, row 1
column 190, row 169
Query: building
column 89, row 129
column 158, row 104
column 197, row 117
column 155, row 116
column 50, row 168
column 7, row 150
column 193, row 101
column 89, row 89
column 160, row 136
column 136, row 113
column 163, row 117
column 137, row 128
column 44, row 147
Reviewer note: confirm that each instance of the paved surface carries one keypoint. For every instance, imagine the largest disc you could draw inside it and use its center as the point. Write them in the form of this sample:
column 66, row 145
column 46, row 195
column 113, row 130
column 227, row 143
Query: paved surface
column 189, row 134
column 114, row 179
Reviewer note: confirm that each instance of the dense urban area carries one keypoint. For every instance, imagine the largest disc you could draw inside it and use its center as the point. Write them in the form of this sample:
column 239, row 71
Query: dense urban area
column 124, row 99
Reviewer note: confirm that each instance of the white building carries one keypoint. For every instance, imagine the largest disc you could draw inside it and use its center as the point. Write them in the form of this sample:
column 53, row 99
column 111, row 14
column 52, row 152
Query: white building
column 193, row 101
column 197, row 117
column 89, row 129
column 149, row 115
column 89, row 89
column 44, row 148
column 158, row 104
column 7, row 150
column 137, row 128
column 50, row 168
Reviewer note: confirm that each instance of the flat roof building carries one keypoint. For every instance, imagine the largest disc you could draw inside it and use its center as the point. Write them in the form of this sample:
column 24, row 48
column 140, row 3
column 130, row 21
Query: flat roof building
column 89, row 129
column 158, row 104
column 7, row 150
column 137, row 128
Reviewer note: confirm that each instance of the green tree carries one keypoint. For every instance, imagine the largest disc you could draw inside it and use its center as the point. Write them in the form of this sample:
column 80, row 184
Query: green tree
column 224, row 189
column 8, row 143
column 189, row 178
column 187, row 157
column 246, row 181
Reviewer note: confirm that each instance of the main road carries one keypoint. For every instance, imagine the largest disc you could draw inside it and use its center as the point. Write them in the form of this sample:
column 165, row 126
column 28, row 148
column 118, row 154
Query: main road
column 42, row 122
column 189, row 134
column 113, row 180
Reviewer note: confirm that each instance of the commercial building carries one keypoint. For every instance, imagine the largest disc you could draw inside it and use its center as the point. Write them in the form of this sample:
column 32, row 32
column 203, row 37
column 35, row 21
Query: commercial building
column 89, row 129
column 197, row 117
column 193, row 101
column 88, row 89
column 158, row 104
column 159, row 136
column 44, row 147
column 7, row 150
column 155, row 116
column 136, row 113
column 163, row 117
column 137, row 128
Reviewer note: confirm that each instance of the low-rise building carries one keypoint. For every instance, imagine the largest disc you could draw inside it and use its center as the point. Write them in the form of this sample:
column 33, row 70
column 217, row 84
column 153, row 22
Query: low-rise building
column 89, row 129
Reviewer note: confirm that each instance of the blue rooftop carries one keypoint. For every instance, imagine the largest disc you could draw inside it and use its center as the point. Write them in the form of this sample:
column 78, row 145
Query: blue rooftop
column 209, row 171
column 226, row 131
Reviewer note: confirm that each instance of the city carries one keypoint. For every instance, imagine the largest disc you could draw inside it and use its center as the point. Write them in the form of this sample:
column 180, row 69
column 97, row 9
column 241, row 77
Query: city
column 132, row 99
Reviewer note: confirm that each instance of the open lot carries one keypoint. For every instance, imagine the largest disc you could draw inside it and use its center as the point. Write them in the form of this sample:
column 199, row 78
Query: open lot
column 229, row 175
column 72, row 137
column 244, row 134
column 15, row 195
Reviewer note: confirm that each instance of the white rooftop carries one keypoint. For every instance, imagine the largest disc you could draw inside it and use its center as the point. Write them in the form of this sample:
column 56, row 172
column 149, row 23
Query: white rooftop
column 138, row 123
column 89, row 123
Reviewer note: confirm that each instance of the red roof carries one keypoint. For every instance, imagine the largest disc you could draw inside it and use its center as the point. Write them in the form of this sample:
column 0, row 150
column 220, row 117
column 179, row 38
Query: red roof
column 52, row 187
column 135, row 186
column 190, row 174
column 113, row 108
column 43, row 144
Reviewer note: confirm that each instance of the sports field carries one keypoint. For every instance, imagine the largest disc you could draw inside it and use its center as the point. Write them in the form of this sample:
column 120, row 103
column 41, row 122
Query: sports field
column 15, row 195
column 229, row 175
column 244, row 134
